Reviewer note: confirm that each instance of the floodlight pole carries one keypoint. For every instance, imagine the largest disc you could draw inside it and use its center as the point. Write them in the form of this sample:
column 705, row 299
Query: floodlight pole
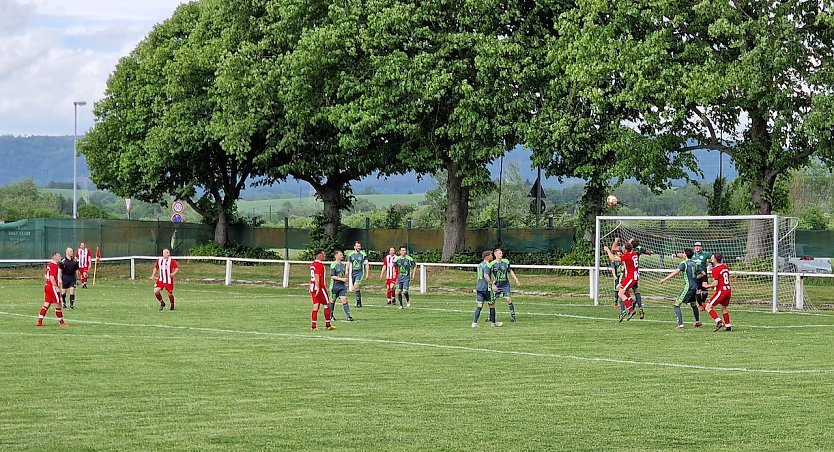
column 76, row 104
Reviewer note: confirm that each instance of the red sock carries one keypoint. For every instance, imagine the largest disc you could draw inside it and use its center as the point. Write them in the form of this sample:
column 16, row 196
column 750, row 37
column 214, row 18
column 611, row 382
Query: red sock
column 58, row 312
column 42, row 314
column 713, row 314
column 84, row 279
column 727, row 318
column 628, row 303
column 327, row 316
column 390, row 293
column 159, row 297
column 315, row 317
column 171, row 299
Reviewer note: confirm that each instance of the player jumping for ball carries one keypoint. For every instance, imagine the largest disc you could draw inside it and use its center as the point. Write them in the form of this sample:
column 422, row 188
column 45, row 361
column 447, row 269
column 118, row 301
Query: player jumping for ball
column 687, row 295
column 631, row 260
column 721, row 295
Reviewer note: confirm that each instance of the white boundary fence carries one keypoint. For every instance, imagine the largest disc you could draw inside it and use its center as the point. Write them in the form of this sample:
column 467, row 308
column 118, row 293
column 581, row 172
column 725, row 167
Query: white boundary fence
column 423, row 277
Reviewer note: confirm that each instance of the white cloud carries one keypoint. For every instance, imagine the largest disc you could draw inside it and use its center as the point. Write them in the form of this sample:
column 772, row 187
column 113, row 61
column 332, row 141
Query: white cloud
column 14, row 15
column 54, row 52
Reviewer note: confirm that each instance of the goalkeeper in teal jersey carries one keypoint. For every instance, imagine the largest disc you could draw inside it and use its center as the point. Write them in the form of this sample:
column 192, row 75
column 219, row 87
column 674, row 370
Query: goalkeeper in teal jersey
column 405, row 269
column 484, row 288
column 338, row 285
column 500, row 271
column 687, row 295
column 702, row 268
column 359, row 268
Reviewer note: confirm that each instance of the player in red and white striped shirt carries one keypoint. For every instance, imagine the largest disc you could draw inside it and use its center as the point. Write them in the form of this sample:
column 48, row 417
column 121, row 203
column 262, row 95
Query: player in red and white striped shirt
column 83, row 256
column 51, row 291
column 390, row 272
column 167, row 268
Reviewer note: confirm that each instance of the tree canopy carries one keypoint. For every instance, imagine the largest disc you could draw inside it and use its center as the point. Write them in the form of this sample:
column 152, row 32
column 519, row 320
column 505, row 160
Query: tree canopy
column 176, row 117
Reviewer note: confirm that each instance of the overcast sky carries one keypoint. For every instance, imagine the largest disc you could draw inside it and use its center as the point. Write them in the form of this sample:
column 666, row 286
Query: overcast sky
column 54, row 52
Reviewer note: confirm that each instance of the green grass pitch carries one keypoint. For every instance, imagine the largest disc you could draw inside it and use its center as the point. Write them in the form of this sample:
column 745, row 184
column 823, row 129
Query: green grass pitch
column 237, row 368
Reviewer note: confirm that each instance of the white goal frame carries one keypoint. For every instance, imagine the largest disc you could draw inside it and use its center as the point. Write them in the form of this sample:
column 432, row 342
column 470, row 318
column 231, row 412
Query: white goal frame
column 775, row 219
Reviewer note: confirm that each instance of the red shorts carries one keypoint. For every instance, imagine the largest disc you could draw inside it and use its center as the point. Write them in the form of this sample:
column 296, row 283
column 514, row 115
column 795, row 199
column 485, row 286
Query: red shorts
column 50, row 294
column 390, row 282
column 84, row 269
column 721, row 297
column 320, row 297
column 628, row 283
column 167, row 287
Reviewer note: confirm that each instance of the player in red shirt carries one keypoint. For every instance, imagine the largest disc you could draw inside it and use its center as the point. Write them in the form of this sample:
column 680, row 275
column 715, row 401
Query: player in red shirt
column 390, row 273
column 167, row 268
column 318, row 291
column 83, row 256
column 721, row 295
column 51, row 291
column 631, row 260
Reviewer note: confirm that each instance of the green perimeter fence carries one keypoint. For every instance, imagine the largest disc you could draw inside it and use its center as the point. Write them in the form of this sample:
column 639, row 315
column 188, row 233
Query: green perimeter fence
column 35, row 239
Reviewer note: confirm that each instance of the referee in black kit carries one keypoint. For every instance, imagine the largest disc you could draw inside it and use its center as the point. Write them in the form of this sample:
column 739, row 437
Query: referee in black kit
column 68, row 277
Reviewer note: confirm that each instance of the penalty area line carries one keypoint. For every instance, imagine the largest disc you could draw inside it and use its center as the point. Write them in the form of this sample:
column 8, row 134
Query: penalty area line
column 430, row 345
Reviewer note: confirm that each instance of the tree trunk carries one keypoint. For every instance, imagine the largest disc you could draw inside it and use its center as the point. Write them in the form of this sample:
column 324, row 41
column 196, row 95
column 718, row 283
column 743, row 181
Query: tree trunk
column 221, row 229
column 331, row 196
column 760, row 232
column 761, row 192
column 596, row 189
column 457, row 212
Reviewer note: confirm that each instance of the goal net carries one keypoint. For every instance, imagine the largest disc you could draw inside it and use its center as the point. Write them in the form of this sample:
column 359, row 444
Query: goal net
column 755, row 247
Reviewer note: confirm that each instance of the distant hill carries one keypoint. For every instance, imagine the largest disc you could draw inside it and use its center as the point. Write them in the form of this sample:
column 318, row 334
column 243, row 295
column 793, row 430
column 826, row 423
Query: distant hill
column 43, row 159
column 49, row 158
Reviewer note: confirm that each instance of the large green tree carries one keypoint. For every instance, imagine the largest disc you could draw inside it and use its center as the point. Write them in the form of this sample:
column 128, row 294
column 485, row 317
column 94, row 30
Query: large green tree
column 573, row 130
column 751, row 79
column 181, row 116
column 333, row 128
column 442, row 77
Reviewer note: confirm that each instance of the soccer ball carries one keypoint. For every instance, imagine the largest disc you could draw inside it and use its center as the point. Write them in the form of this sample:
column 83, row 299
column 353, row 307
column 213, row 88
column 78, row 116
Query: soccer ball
column 612, row 200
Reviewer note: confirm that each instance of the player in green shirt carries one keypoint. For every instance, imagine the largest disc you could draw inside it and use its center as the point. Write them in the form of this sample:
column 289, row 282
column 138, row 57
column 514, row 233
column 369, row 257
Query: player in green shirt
column 702, row 267
column 483, row 291
column 501, row 271
column 687, row 295
column 359, row 268
column 338, row 285
column 406, row 268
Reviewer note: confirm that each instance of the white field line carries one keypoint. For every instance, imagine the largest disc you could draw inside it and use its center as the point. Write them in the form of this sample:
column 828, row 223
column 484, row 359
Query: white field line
column 707, row 321
column 311, row 336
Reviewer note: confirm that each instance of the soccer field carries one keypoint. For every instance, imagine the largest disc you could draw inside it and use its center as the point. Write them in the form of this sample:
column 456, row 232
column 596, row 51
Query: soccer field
column 238, row 368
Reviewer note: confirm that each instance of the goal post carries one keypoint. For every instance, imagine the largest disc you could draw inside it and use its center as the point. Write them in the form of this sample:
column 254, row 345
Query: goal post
column 755, row 247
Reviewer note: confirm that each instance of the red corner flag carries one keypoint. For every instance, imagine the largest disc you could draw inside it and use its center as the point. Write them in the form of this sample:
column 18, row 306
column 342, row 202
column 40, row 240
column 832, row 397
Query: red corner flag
column 98, row 253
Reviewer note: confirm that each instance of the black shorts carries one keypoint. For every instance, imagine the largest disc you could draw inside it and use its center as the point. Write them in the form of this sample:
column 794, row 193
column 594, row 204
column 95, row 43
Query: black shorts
column 701, row 280
column 68, row 282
